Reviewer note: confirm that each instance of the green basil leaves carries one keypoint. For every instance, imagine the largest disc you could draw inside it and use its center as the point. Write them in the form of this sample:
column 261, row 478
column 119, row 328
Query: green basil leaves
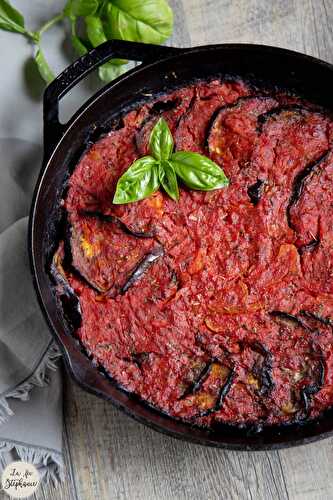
column 162, row 168
column 43, row 67
column 161, row 141
column 75, row 8
column 137, row 20
column 148, row 21
column 11, row 19
column 138, row 182
column 198, row 171
column 168, row 179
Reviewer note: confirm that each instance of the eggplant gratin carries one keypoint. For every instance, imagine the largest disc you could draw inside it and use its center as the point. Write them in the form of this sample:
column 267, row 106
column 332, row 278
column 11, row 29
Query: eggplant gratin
column 218, row 307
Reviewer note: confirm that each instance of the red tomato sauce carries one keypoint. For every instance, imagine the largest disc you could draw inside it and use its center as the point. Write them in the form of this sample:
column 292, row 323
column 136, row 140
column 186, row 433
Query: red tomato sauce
column 216, row 308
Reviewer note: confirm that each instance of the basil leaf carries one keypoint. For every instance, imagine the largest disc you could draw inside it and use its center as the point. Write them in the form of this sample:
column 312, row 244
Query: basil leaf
column 43, row 67
column 95, row 30
column 118, row 62
column 96, row 36
column 198, row 171
column 102, row 7
column 168, row 179
column 10, row 18
column 138, row 182
column 161, row 141
column 79, row 45
column 75, row 8
column 148, row 21
column 110, row 71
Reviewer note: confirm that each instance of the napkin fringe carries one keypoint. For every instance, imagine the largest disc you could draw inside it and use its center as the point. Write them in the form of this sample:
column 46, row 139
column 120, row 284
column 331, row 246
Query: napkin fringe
column 39, row 378
column 51, row 462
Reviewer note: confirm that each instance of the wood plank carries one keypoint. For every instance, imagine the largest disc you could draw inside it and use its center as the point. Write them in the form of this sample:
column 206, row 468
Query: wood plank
column 308, row 471
column 115, row 457
column 181, row 35
column 254, row 21
column 316, row 19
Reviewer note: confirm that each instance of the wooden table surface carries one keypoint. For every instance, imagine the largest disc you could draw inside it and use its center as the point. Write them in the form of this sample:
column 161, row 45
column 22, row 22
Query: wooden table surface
column 108, row 455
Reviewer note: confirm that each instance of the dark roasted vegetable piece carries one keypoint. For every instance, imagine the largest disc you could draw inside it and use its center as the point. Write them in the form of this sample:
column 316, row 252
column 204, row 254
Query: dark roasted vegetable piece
column 202, row 392
column 299, row 183
column 309, row 246
column 163, row 106
column 57, row 269
column 233, row 131
column 69, row 300
column 207, row 100
column 221, row 396
column 225, row 389
column 288, row 319
column 118, row 222
column 305, row 384
column 308, row 391
column 105, row 254
column 301, row 396
column 141, row 268
column 140, row 357
column 172, row 109
column 64, row 260
column 317, row 317
column 261, row 371
column 255, row 191
column 263, row 118
column 196, row 384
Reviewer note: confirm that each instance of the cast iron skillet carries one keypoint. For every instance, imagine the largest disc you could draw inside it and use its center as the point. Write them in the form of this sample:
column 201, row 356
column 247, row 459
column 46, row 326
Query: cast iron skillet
column 162, row 69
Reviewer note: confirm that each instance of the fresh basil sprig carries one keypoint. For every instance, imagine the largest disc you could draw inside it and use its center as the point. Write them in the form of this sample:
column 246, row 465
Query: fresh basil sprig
column 198, row 171
column 135, row 20
column 11, row 19
column 139, row 181
column 138, row 20
column 162, row 167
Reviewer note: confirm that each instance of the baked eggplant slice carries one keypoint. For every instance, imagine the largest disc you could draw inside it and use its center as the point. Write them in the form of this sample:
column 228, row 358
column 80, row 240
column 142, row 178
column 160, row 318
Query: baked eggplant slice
column 309, row 247
column 302, row 180
column 288, row 319
column 310, row 216
column 197, row 374
column 233, row 132
column 142, row 268
column 107, row 257
column 173, row 108
column 119, row 223
column 301, row 368
column 209, row 400
column 316, row 318
column 206, row 394
column 276, row 112
column 290, row 137
column 65, row 293
column 311, row 191
column 308, row 383
column 194, row 127
column 258, row 362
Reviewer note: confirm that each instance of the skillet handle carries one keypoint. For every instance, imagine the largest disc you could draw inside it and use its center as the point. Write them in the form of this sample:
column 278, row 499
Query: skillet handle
column 72, row 75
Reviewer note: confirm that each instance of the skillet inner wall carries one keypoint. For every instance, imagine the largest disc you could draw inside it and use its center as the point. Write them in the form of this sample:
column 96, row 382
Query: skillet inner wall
column 309, row 79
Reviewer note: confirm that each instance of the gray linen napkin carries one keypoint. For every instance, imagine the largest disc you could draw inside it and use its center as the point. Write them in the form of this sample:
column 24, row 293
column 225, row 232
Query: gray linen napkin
column 30, row 386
